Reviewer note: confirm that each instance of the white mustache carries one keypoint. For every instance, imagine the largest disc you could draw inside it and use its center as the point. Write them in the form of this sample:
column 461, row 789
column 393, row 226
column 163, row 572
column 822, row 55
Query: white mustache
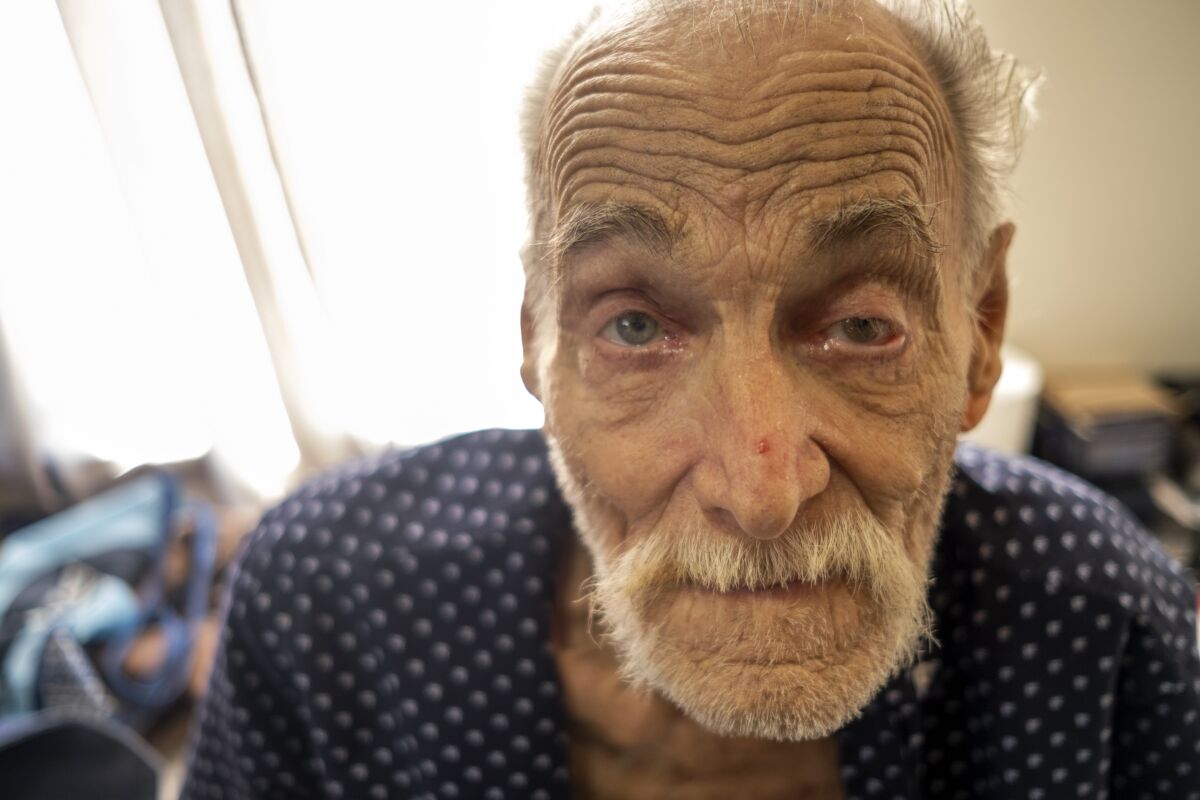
column 853, row 547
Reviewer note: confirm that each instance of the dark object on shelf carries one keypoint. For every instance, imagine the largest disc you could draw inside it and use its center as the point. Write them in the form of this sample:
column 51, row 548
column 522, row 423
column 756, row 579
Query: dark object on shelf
column 1177, row 493
column 1106, row 425
column 1186, row 391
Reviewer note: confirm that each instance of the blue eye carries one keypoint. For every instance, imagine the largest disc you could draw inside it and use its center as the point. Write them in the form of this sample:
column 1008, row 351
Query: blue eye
column 862, row 331
column 632, row 329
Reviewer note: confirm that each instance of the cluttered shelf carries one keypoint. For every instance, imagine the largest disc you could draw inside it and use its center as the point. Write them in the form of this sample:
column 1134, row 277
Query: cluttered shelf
column 1136, row 438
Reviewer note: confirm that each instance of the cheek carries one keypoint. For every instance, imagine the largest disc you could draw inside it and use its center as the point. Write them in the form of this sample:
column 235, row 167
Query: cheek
column 894, row 446
column 624, row 439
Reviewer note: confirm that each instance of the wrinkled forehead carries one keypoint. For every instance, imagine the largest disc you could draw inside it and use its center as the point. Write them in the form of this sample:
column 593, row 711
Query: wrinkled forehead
column 759, row 117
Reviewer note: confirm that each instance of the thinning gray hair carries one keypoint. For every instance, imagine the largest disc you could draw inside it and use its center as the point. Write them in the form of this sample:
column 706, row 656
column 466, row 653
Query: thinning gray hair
column 989, row 96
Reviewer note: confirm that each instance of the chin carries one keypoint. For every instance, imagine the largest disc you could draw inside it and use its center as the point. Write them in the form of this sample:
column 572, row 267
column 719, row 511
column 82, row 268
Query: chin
column 754, row 667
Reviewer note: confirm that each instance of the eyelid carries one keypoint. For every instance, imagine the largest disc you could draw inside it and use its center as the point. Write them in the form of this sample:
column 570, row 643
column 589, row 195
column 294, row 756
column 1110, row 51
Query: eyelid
column 865, row 301
column 611, row 304
column 872, row 297
column 825, row 349
column 893, row 330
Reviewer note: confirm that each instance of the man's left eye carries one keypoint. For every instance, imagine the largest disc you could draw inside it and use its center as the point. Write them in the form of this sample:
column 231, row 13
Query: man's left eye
column 864, row 331
column 632, row 329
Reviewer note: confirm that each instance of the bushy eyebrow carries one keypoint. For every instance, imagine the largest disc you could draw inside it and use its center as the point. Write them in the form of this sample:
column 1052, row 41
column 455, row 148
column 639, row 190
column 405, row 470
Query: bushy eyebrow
column 899, row 219
column 903, row 218
column 896, row 219
column 595, row 223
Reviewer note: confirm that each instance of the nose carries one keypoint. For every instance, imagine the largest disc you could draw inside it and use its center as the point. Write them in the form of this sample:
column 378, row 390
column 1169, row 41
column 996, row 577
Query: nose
column 760, row 463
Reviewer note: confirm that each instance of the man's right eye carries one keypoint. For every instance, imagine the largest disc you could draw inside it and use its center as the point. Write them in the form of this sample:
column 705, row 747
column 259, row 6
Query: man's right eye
column 632, row 329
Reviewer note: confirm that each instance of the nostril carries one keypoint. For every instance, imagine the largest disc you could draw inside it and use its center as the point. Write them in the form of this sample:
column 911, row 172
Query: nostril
column 722, row 522
column 719, row 519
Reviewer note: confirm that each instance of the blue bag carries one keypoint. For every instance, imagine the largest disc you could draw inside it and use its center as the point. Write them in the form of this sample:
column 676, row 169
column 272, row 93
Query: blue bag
column 90, row 579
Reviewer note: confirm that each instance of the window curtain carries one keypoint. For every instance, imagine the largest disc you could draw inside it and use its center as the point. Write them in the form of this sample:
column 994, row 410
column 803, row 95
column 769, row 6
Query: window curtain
column 259, row 236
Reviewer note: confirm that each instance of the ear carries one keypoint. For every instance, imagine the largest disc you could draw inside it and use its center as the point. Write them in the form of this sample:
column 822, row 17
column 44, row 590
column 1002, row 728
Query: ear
column 990, row 307
column 529, row 372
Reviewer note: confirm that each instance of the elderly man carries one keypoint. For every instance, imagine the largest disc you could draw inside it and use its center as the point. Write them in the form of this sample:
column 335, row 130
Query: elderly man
column 766, row 291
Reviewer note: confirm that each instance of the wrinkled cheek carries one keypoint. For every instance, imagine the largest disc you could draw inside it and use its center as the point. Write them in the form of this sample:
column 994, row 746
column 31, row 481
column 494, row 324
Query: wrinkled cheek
column 625, row 445
column 925, row 519
column 898, row 462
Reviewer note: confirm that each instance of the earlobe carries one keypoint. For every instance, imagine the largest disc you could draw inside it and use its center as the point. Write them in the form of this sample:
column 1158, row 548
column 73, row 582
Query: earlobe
column 529, row 372
column 990, row 307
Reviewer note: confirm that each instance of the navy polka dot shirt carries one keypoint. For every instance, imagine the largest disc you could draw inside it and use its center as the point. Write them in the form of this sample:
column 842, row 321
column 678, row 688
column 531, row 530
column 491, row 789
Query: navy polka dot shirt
column 387, row 637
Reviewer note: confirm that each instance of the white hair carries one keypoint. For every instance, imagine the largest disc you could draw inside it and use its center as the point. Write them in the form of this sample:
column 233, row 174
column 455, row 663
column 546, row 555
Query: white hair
column 991, row 101
column 989, row 96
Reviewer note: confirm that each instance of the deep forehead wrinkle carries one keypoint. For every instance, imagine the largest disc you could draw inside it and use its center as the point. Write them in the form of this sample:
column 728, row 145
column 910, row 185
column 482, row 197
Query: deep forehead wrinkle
column 668, row 75
column 652, row 99
column 807, row 107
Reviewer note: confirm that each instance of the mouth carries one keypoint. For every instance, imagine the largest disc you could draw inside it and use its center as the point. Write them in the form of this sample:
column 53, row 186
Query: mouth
column 791, row 591
column 784, row 625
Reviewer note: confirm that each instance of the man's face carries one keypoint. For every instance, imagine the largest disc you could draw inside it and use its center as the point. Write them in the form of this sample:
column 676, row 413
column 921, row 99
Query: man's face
column 761, row 357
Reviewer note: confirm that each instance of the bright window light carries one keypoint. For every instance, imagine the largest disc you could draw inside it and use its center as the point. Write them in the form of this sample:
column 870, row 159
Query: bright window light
column 396, row 129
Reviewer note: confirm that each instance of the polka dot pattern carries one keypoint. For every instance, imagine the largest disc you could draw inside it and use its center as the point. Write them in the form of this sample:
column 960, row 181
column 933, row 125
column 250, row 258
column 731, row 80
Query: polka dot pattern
column 387, row 625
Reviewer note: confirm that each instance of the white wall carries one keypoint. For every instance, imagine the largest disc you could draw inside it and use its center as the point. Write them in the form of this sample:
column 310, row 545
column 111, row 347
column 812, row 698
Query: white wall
column 1105, row 266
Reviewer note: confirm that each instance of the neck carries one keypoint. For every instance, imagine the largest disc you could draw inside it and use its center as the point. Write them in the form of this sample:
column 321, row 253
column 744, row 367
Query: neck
column 630, row 743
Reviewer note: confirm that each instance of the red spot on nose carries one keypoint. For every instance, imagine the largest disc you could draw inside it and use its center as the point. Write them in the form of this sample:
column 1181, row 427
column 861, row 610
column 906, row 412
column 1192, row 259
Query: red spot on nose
column 762, row 447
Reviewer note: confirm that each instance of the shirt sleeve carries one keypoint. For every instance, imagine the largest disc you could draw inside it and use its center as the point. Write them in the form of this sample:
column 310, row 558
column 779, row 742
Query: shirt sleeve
column 249, row 743
column 1156, row 737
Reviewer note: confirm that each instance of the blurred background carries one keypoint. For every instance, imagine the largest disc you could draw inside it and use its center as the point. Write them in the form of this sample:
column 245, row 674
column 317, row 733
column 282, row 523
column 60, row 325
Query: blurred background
column 244, row 240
